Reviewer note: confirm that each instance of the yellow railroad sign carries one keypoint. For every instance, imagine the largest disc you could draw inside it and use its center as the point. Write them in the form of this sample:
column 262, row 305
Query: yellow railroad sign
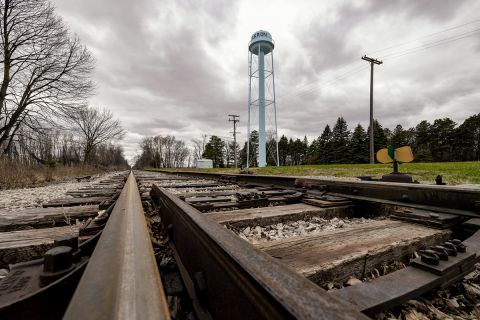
column 402, row 154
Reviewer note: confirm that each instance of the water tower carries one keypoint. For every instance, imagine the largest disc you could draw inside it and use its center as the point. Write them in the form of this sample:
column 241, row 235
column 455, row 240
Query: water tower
column 261, row 98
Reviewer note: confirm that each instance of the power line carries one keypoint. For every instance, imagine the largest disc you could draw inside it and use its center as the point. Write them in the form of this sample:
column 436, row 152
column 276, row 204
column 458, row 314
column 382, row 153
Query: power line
column 314, row 84
column 326, row 82
column 425, row 36
column 329, row 82
column 431, row 44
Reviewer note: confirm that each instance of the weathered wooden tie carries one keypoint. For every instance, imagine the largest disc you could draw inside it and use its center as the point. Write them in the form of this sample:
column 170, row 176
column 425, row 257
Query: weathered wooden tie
column 270, row 215
column 25, row 245
column 353, row 250
column 70, row 202
column 44, row 217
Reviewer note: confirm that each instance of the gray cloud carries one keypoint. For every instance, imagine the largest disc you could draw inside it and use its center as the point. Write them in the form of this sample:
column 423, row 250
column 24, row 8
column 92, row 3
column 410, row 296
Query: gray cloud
column 179, row 67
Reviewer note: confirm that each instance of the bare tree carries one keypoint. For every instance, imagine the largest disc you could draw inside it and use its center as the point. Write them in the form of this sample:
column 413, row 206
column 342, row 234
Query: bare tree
column 46, row 72
column 198, row 148
column 162, row 152
column 97, row 126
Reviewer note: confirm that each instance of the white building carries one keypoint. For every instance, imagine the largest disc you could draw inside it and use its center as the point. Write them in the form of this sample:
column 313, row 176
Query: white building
column 204, row 163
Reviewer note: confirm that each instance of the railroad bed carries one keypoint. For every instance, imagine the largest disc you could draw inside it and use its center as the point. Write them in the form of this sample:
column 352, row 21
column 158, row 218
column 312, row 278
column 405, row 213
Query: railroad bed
column 245, row 247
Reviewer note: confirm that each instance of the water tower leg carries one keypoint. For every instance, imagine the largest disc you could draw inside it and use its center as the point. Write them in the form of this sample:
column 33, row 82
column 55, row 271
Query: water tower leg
column 249, row 106
column 262, row 154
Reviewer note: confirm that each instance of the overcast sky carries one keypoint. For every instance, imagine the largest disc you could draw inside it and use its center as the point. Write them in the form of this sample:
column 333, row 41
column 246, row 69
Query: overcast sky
column 180, row 67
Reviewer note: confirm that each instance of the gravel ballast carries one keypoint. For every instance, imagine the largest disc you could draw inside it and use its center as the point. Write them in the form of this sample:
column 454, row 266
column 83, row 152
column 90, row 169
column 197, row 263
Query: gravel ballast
column 255, row 234
column 24, row 198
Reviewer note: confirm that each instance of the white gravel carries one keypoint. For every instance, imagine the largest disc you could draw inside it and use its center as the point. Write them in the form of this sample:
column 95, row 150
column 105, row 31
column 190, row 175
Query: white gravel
column 298, row 228
column 24, row 198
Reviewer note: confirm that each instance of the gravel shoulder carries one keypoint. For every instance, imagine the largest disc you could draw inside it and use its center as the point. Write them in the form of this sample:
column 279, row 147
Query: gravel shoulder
column 24, row 198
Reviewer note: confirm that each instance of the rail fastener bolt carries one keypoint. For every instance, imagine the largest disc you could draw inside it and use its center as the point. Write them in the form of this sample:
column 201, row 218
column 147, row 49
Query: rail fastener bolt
column 56, row 263
column 429, row 257
column 451, row 248
column 461, row 247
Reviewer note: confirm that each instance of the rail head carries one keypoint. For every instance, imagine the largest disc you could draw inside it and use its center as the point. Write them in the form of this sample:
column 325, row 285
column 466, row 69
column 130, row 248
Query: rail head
column 121, row 280
column 242, row 282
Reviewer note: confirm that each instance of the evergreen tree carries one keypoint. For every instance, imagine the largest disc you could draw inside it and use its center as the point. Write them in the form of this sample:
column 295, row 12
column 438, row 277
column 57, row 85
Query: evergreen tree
column 422, row 141
column 283, row 150
column 297, row 152
column 243, row 155
column 254, row 148
column 410, row 137
column 379, row 137
column 399, row 137
column 304, row 150
column 388, row 135
column 443, row 131
column 340, row 140
column 358, row 146
column 467, row 139
column 253, row 151
column 312, row 152
column 214, row 150
column 325, row 146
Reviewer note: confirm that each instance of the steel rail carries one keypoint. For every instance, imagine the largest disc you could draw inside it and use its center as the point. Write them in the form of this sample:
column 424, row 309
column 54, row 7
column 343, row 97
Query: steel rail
column 121, row 280
column 234, row 280
column 464, row 201
column 397, row 287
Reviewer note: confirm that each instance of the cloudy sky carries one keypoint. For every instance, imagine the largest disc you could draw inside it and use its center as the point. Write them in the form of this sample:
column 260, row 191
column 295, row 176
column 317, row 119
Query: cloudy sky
column 175, row 67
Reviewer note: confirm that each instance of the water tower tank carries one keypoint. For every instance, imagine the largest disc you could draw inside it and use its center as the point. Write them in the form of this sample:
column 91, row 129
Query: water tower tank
column 262, row 38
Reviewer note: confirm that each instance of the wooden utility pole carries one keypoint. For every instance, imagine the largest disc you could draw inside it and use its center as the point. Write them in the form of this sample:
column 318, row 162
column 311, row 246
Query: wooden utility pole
column 235, row 121
column 372, row 62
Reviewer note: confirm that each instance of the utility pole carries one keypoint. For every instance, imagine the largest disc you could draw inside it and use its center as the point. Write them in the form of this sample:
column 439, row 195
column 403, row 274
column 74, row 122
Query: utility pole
column 372, row 62
column 235, row 121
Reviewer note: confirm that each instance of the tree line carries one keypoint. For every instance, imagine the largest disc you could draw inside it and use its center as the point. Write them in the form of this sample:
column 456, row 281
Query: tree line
column 170, row 152
column 46, row 83
column 442, row 140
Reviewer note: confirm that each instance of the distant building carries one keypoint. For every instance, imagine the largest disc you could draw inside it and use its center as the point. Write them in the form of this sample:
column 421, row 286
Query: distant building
column 204, row 163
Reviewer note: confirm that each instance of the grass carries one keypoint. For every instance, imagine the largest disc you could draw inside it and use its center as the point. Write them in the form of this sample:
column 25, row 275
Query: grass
column 452, row 172
column 17, row 175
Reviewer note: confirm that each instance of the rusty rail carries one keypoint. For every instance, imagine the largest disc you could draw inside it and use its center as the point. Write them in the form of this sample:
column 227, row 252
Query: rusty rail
column 121, row 280
column 233, row 280
column 447, row 199
column 397, row 287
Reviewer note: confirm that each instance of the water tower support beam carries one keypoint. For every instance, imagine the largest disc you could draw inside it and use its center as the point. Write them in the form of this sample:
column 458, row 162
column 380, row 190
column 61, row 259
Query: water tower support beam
column 262, row 154
column 249, row 106
column 275, row 111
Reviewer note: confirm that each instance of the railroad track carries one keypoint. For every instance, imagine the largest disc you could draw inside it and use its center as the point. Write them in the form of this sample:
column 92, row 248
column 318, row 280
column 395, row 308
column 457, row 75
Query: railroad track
column 254, row 247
